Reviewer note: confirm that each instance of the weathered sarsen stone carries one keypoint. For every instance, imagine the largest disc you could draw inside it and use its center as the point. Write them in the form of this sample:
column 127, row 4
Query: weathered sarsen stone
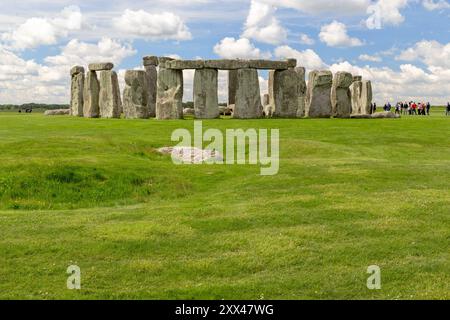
column 248, row 95
column 169, row 101
column 152, row 82
column 301, row 73
column 355, row 91
column 286, row 89
column 77, row 91
column 101, row 66
column 91, row 95
column 341, row 95
column 318, row 97
column 366, row 97
column 206, row 99
column 110, row 103
column 150, row 61
column 135, row 95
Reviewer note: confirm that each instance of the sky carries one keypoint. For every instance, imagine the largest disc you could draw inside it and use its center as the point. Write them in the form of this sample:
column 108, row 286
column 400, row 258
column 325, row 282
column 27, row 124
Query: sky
column 402, row 46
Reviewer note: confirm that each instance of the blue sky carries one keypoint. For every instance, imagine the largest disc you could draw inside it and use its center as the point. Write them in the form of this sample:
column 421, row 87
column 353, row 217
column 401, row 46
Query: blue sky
column 402, row 46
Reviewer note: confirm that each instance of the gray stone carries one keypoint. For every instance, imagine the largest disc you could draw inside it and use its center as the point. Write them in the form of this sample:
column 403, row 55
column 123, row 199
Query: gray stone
column 269, row 64
column 110, row 103
column 76, row 70
column 318, row 95
column 270, row 108
column 91, row 95
column 385, row 115
column 357, row 78
column 57, row 112
column 286, row 90
column 169, row 101
column 152, row 82
column 225, row 64
column 135, row 95
column 366, row 97
column 185, row 64
column 248, row 95
column 341, row 95
column 101, row 66
column 205, row 94
column 301, row 73
column 150, row 61
column 77, row 92
column 355, row 93
column 163, row 61
column 292, row 63
column 232, row 84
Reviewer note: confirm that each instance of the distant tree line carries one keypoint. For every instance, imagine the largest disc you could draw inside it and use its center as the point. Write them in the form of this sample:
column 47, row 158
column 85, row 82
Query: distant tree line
column 32, row 106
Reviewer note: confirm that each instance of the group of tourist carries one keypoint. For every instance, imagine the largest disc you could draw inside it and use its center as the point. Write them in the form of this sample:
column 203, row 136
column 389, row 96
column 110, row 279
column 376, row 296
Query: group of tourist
column 410, row 108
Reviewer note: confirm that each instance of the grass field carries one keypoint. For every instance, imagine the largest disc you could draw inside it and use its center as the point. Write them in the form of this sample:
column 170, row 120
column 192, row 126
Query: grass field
column 349, row 194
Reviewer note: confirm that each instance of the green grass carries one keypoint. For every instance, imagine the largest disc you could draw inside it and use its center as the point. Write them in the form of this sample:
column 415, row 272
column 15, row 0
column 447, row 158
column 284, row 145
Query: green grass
column 349, row 194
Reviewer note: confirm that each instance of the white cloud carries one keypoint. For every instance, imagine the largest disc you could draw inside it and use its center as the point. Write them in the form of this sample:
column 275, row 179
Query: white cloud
column 35, row 32
column 385, row 12
column 230, row 48
column 307, row 40
column 432, row 53
column 307, row 58
column 335, row 35
column 435, row 5
column 337, row 7
column 162, row 26
column 262, row 25
column 366, row 57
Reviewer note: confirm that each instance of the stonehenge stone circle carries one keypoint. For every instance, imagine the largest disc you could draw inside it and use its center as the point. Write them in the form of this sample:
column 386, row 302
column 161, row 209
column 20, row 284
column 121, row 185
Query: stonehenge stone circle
column 206, row 99
column 341, row 95
column 101, row 66
column 135, row 95
column 91, row 107
column 301, row 73
column 248, row 95
column 110, row 103
column 76, row 91
column 169, row 101
column 318, row 97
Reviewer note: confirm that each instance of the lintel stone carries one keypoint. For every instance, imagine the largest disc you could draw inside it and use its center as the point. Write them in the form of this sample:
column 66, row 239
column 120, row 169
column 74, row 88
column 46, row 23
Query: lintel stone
column 76, row 70
column 185, row 64
column 101, row 66
column 150, row 61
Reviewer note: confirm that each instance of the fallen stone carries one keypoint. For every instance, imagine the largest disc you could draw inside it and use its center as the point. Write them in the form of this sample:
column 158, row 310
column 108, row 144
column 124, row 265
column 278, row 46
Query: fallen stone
column 301, row 73
column 135, row 95
column 101, row 66
column 225, row 111
column 150, row 61
column 110, row 103
column 169, row 101
column 77, row 91
column 318, row 97
column 58, row 112
column 341, row 95
column 185, row 64
column 248, row 95
column 191, row 155
column 206, row 98
column 152, row 82
column 91, row 96
column 385, row 115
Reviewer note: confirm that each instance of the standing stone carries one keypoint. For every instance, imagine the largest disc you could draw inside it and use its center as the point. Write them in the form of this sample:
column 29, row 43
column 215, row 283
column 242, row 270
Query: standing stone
column 206, row 99
column 248, row 95
column 269, row 110
column 341, row 95
column 285, row 88
column 232, row 83
column 169, row 100
column 301, row 72
column 110, row 103
column 76, row 91
column 91, row 95
column 355, row 91
column 318, row 95
column 135, row 95
column 366, row 97
column 152, row 81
